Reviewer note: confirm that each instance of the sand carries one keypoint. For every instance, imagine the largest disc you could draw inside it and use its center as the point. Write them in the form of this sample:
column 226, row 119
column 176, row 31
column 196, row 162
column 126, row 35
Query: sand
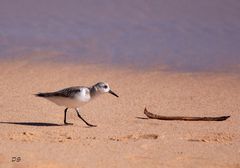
column 32, row 128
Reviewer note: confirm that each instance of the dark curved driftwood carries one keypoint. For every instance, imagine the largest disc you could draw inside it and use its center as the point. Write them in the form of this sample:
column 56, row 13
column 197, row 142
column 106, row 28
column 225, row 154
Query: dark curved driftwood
column 183, row 118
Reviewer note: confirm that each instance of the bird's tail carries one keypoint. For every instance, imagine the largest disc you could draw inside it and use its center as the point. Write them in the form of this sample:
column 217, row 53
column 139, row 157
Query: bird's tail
column 43, row 94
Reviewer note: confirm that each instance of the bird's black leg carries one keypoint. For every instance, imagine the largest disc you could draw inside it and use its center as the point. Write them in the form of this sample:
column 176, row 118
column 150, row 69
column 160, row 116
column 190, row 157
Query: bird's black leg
column 90, row 125
column 65, row 118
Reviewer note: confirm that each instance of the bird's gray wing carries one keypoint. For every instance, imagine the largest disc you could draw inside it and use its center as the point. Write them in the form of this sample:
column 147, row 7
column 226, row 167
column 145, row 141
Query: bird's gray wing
column 67, row 92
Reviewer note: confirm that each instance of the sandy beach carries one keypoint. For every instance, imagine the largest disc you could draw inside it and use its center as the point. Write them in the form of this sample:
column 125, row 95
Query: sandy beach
column 175, row 58
column 32, row 128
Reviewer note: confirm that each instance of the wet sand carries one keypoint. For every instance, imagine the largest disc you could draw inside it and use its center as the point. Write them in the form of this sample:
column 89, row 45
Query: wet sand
column 185, row 35
column 32, row 128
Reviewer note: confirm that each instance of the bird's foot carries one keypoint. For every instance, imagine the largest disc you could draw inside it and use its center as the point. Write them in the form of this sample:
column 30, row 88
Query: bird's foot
column 66, row 123
column 90, row 125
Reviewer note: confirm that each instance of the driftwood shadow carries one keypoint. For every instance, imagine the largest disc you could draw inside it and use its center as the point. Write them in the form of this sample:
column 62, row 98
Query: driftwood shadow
column 38, row 124
column 143, row 118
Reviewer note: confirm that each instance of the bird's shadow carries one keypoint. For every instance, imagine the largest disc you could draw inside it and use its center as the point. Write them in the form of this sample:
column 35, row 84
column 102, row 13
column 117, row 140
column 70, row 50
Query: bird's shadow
column 38, row 124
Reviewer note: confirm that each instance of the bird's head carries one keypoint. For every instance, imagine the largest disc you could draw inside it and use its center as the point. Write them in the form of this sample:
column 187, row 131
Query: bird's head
column 103, row 87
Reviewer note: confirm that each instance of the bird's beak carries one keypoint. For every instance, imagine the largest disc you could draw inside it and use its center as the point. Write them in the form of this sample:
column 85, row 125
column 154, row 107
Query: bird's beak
column 113, row 93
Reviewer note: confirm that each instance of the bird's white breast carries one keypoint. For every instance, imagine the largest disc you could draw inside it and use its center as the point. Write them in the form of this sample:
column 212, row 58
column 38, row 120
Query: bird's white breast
column 83, row 95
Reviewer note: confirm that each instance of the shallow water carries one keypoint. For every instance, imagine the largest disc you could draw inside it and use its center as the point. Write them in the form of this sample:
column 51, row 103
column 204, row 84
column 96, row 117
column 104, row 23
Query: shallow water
column 189, row 35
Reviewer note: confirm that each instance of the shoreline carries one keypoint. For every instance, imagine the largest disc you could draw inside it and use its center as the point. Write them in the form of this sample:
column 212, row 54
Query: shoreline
column 49, row 60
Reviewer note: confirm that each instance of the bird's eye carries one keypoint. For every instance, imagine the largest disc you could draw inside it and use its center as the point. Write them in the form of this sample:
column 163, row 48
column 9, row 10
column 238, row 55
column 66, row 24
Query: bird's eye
column 105, row 87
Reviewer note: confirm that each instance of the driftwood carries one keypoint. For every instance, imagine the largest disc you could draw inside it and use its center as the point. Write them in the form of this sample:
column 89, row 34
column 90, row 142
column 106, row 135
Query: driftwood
column 183, row 118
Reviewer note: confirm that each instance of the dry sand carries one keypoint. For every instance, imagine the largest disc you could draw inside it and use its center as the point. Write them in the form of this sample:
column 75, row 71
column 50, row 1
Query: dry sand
column 31, row 127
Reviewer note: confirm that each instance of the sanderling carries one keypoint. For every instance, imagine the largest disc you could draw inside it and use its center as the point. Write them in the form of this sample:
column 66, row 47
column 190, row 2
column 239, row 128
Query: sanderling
column 74, row 97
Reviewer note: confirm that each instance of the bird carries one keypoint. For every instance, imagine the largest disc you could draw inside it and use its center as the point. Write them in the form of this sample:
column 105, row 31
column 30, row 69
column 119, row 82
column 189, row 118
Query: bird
column 76, row 96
